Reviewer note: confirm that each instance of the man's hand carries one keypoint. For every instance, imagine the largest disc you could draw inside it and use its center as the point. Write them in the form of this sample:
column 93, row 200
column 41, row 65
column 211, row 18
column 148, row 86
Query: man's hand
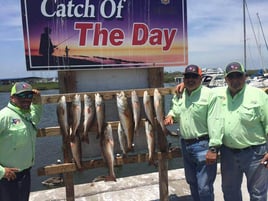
column 211, row 157
column 10, row 173
column 179, row 88
column 36, row 97
column 168, row 120
column 264, row 161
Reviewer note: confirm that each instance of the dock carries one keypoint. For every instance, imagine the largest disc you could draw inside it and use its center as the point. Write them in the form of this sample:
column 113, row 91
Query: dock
column 142, row 187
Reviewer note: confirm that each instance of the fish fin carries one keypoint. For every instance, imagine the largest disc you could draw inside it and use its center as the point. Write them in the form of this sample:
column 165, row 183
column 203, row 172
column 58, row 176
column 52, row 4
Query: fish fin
column 99, row 178
column 85, row 139
column 153, row 162
column 110, row 178
column 79, row 167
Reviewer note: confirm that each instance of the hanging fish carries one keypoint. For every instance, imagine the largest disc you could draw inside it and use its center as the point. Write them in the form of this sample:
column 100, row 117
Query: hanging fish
column 126, row 119
column 122, row 138
column 150, row 137
column 159, row 110
column 76, row 114
column 136, row 108
column 148, row 107
column 75, row 145
column 89, row 112
column 63, row 116
column 100, row 113
column 107, row 147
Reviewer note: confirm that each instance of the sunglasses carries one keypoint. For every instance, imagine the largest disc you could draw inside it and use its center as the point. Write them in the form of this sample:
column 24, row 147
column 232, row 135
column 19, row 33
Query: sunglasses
column 235, row 75
column 188, row 76
column 25, row 95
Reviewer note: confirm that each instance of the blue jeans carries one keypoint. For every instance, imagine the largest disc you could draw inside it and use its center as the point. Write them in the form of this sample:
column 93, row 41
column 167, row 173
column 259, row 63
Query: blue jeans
column 234, row 164
column 198, row 175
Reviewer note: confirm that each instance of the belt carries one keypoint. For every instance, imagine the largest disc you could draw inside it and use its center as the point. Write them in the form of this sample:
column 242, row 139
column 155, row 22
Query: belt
column 243, row 149
column 195, row 140
column 25, row 171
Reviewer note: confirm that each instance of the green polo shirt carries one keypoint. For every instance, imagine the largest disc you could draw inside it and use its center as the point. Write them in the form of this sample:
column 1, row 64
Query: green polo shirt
column 245, row 117
column 198, row 114
column 17, row 137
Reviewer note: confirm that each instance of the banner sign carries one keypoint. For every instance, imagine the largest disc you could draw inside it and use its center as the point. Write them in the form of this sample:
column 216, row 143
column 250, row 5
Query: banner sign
column 75, row 34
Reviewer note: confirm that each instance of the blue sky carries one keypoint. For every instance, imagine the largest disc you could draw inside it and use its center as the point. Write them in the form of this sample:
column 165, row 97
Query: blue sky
column 215, row 36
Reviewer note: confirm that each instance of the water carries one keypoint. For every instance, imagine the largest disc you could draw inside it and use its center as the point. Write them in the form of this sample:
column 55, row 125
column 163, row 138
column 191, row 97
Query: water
column 49, row 150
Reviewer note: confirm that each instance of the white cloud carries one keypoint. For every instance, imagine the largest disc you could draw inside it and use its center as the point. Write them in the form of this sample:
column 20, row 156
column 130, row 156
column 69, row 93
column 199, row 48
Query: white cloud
column 11, row 21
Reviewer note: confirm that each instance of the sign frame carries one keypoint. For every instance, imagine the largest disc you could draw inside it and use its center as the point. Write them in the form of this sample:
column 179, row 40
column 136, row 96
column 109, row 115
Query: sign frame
column 92, row 34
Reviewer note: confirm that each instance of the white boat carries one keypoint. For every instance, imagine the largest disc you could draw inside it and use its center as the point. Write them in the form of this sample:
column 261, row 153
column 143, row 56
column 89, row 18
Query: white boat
column 258, row 81
column 178, row 79
column 213, row 77
column 213, row 80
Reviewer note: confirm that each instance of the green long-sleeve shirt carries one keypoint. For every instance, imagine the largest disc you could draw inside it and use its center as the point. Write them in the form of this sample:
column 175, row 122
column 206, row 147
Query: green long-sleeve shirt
column 198, row 114
column 17, row 137
column 245, row 117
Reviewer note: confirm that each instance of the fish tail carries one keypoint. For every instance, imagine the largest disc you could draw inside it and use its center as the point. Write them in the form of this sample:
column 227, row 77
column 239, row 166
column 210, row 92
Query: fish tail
column 85, row 139
column 110, row 178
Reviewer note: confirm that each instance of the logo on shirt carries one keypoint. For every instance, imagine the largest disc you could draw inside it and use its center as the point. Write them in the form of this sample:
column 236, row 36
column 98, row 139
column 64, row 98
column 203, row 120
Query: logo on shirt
column 253, row 102
column 15, row 121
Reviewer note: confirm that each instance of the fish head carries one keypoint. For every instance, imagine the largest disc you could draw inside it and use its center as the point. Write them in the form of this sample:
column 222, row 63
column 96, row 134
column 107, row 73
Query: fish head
column 98, row 99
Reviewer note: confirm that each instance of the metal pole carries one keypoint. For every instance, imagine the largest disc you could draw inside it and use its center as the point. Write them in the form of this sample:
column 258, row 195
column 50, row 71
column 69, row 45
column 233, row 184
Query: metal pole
column 262, row 31
column 245, row 39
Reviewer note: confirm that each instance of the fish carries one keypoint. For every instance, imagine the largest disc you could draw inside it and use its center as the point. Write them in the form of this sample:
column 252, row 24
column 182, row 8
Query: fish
column 89, row 113
column 159, row 110
column 75, row 145
column 63, row 116
column 107, row 148
column 76, row 115
column 122, row 138
column 148, row 107
column 136, row 108
column 126, row 119
column 100, row 114
column 150, row 137
column 163, row 144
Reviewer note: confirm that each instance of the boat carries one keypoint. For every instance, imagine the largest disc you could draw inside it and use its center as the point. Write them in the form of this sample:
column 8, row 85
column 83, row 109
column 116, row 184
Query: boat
column 178, row 79
column 213, row 77
column 53, row 181
column 258, row 81
column 213, row 80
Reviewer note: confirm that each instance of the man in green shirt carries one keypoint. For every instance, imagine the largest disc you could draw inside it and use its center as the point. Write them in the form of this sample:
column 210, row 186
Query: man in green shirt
column 197, row 113
column 18, row 129
column 244, row 150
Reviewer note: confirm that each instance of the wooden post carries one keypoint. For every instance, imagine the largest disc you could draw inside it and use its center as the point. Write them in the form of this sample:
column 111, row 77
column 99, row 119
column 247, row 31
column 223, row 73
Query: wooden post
column 163, row 177
column 67, row 81
column 67, row 84
column 162, row 163
column 156, row 80
column 156, row 77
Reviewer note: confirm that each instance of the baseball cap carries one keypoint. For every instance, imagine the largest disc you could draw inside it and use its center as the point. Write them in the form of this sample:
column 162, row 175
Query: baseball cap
column 20, row 87
column 234, row 67
column 193, row 69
